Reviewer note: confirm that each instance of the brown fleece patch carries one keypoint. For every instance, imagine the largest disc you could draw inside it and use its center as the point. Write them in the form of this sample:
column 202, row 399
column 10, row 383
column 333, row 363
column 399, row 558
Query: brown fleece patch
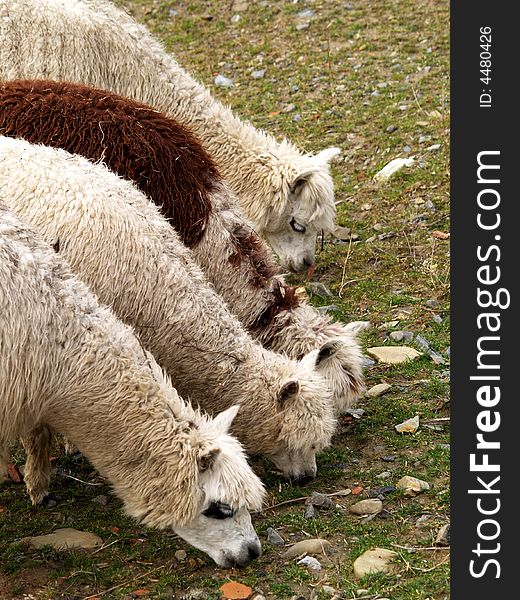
column 251, row 249
column 163, row 158
column 281, row 299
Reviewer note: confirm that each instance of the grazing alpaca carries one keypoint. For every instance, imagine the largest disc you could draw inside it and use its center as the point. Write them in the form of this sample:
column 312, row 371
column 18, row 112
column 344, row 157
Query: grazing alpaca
column 116, row 241
column 68, row 365
column 169, row 166
column 287, row 195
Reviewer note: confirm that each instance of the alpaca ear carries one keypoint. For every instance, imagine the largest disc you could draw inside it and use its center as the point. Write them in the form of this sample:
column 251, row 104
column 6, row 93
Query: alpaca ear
column 288, row 391
column 328, row 154
column 207, row 458
column 326, row 351
column 301, row 178
column 223, row 420
column 356, row 327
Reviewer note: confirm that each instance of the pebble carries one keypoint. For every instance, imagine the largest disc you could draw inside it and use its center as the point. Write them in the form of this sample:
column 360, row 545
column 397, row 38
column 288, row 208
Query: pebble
column 319, row 500
column 233, row 590
column 311, row 562
column 384, row 475
column 432, row 303
column 195, row 594
column 367, row 362
column 367, row 507
column 424, row 138
column 378, row 390
column 393, row 355
column 437, row 319
column 311, row 546
column 235, row 18
column 380, row 492
column 258, row 74
column 239, row 5
column 274, row 538
column 397, row 336
column 288, row 108
column 433, row 147
column 306, row 14
column 65, row 538
column 391, row 129
column 297, row 117
column 376, row 560
column 258, row 597
column 443, row 536
column 362, row 592
column 316, row 287
column 304, row 25
column 328, row 590
column 327, row 309
column 412, row 486
column 222, row 81
column 310, row 512
column 342, row 233
column 444, row 446
column 407, row 149
column 389, row 458
column 181, row 555
column 389, row 325
column 392, row 168
column 408, row 426
column 357, row 413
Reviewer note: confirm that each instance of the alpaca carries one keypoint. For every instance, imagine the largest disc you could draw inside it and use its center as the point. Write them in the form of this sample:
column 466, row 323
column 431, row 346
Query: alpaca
column 68, row 365
column 116, row 241
column 287, row 195
column 171, row 168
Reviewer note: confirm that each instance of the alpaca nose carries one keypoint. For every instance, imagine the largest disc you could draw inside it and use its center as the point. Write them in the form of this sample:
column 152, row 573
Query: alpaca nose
column 254, row 551
column 309, row 261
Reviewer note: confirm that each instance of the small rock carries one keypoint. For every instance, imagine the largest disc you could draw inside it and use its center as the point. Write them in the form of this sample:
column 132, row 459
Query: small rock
column 378, row 390
column 328, row 309
column 408, row 426
column 345, row 492
column 258, row 74
column 195, row 594
column 320, row 289
column 232, row 590
column 311, row 546
column 274, row 538
column 392, row 168
column 306, row 14
column 258, row 597
column 407, row 149
column 437, row 319
column 389, row 325
column 367, row 362
column 391, row 129
column 444, row 446
column 302, row 26
column 432, row 303
column 408, row 336
column 388, row 458
column 288, row 108
column 367, row 507
column 412, row 486
column 430, row 205
column 357, row 490
column 181, row 555
column 357, row 413
column 424, row 138
column 433, row 147
column 373, row 561
column 297, row 117
column 222, row 81
column 362, row 592
column 328, row 590
column 319, row 500
column 380, row 492
column 393, row 355
column 384, row 475
column 310, row 512
column 342, row 233
column 443, row 536
column 397, row 336
column 65, row 538
column 423, row 521
column 311, row 562
column 235, row 19
column 239, row 5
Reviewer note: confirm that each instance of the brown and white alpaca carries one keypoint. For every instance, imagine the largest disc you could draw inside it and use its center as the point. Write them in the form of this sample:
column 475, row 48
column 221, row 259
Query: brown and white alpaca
column 69, row 365
column 170, row 167
column 116, row 241
column 288, row 195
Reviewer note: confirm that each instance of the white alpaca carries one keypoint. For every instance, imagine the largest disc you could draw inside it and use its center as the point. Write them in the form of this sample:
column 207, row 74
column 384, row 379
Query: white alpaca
column 68, row 365
column 116, row 241
column 287, row 195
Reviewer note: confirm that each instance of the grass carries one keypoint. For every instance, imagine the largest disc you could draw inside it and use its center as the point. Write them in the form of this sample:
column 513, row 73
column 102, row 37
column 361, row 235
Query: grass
column 358, row 68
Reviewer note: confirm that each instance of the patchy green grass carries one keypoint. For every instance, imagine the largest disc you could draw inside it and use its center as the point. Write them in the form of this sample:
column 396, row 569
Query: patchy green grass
column 358, row 68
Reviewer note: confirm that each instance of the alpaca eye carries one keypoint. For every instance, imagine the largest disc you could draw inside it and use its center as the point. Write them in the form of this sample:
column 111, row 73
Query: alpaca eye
column 218, row 510
column 296, row 226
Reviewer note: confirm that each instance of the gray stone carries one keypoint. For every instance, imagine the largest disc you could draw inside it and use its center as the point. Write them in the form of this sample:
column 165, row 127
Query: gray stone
column 181, row 555
column 222, row 81
column 258, row 74
column 288, row 108
column 302, row 26
column 357, row 413
column 433, row 147
column 274, row 538
column 378, row 390
column 407, row 149
column 320, row 289
column 443, row 536
column 408, row 426
column 235, row 18
column 376, row 560
column 342, row 233
column 432, row 303
column 437, row 319
column 311, row 546
column 310, row 511
column 195, row 594
column 412, row 486
column 258, row 597
column 311, row 562
column 384, row 475
column 393, row 355
column 297, row 117
column 328, row 309
column 306, row 14
column 239, row 5
column 367, row 507
column 391, row 129
column 328, row 590
column 389, row 458
column 319, row 500
column 65, row 538
column 397, row 336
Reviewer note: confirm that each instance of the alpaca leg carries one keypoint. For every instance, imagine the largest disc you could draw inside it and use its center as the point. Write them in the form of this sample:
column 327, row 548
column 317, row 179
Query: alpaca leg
column 38, row 467
column 4, row 461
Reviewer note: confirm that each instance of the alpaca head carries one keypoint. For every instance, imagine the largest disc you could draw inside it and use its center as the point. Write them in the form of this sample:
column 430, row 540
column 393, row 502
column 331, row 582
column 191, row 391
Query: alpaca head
column 340, row 363
column 304, row 421
column 213, row 490
column 303, row 206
